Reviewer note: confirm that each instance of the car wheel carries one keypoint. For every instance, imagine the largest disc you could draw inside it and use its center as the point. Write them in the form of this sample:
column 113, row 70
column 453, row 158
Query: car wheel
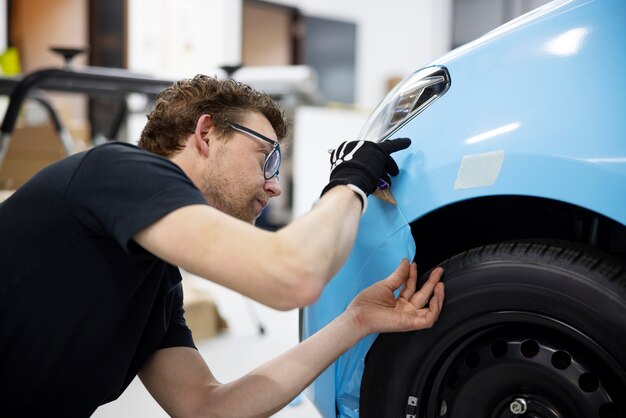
column 528, row 329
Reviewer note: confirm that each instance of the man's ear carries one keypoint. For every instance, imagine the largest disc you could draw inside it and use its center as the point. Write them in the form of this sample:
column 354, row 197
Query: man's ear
column 201, row 134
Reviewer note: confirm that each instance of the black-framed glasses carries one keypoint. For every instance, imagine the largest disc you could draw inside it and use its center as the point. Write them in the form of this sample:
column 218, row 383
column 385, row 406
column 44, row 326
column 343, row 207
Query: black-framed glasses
column 272, row 161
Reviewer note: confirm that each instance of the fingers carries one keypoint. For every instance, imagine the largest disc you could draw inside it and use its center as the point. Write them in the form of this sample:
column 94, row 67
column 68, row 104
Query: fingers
column 393, row 145
column 336, row 155
column 411, row 283
column 431, row 314
column 436, row 302
column 440, row 292
column 424, row 294
column 399, row 276
column 391, row 167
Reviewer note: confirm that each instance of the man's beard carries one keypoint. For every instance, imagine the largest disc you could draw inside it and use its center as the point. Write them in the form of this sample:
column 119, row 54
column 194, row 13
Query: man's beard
column 218, row 195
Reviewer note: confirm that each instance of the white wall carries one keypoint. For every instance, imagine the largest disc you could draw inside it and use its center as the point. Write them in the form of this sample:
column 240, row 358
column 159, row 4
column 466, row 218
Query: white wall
column 394, row 37
column 316, row 130
column 179, row 39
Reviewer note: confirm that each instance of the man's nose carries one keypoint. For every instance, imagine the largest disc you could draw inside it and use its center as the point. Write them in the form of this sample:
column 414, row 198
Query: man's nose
column 272, row 187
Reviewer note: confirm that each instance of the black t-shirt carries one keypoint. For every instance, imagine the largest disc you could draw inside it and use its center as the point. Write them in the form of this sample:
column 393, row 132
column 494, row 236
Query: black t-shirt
column 83, row 306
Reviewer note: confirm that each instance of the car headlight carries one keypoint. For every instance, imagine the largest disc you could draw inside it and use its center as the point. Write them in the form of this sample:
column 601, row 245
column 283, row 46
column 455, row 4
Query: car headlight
column 407, row 99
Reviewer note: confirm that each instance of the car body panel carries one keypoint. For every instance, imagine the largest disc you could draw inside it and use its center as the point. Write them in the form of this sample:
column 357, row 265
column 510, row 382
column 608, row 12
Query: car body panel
column 388, row 241
column 535, row 108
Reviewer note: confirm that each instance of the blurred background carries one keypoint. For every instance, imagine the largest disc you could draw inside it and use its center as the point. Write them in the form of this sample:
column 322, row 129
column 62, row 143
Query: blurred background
column 328, row 62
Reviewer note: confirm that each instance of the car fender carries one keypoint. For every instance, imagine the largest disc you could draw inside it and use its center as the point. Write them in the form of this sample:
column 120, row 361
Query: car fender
column 383, row 240
column 532, row 110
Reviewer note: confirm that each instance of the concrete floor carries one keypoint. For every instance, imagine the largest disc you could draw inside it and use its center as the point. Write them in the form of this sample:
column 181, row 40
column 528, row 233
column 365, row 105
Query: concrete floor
column 230, row 355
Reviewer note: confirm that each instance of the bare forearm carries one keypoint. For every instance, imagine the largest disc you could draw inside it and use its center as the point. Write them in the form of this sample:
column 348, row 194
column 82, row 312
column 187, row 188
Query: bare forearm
column 327, row 232
column 285, row 270
column 270, row 387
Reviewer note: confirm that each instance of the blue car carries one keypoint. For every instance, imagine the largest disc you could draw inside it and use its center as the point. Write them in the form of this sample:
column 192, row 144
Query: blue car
column 515, row 183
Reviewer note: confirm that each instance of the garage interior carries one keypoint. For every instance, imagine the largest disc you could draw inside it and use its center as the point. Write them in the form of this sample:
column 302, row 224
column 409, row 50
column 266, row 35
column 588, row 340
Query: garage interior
column 329, row 63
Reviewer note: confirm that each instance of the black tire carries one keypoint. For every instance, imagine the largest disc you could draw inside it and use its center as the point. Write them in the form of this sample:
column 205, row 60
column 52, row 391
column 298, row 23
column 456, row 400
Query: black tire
column 538, row 326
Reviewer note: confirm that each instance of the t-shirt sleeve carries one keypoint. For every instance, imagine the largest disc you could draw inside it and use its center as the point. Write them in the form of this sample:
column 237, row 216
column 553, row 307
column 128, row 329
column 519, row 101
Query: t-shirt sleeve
column 119, row 189
column 178, row 333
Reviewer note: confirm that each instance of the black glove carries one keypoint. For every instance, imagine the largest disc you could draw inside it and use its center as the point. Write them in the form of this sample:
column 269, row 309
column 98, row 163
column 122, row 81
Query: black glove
column 364, row 163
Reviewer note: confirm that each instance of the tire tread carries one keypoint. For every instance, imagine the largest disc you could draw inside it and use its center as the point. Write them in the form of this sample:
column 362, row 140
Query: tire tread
column 559, row 253
column 598, row 289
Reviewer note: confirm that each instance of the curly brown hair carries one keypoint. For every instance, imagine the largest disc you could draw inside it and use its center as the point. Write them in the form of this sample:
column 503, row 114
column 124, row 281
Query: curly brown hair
column 177, row 109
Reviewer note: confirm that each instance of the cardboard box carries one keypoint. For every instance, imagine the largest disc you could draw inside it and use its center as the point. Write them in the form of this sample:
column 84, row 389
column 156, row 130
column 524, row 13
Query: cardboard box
column 201, row 313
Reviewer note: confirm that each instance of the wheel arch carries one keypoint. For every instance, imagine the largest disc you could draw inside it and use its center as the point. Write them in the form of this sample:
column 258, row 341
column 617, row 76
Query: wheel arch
column 515, row 286
column 471, row 223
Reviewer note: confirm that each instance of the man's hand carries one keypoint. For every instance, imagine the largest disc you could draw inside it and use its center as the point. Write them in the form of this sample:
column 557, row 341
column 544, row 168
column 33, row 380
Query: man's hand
column 376, row 308
column 364, row 163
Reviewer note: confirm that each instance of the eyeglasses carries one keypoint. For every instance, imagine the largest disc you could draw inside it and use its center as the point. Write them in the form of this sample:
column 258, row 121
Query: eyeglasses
column 272, row 161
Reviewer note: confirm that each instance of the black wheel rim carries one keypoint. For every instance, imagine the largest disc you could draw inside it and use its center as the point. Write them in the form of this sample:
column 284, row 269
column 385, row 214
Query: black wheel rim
column 516, row 364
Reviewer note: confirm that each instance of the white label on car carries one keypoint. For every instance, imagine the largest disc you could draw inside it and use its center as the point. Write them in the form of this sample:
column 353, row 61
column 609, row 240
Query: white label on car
column 479, row 170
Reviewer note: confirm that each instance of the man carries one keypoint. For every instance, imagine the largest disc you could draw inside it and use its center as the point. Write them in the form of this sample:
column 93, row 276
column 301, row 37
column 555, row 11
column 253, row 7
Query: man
column 90, row 292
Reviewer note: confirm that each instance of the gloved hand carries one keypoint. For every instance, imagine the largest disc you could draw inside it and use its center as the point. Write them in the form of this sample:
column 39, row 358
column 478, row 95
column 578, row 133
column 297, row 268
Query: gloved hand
column 364, row 163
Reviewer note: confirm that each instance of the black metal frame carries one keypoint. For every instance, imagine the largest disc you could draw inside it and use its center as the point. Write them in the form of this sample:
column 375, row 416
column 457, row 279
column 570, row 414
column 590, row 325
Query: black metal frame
column 92, row 81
